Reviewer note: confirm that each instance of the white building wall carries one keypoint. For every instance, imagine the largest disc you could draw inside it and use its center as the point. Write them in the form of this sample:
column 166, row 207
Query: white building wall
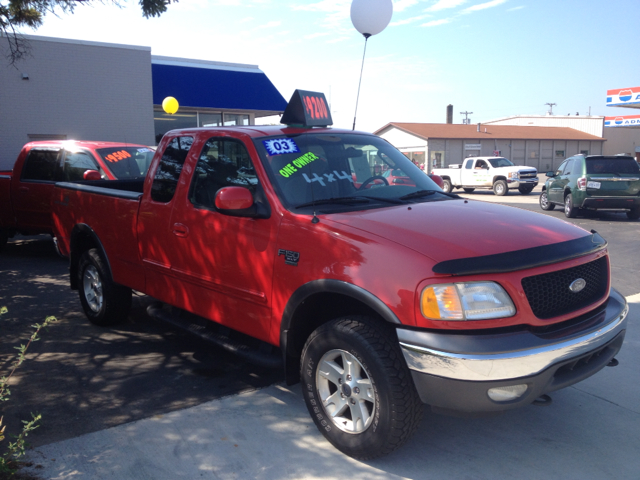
column 75, row 90
column 402, row 140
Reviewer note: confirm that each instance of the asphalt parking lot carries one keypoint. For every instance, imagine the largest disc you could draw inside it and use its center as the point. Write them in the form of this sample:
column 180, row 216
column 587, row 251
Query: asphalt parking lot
column 204, row 413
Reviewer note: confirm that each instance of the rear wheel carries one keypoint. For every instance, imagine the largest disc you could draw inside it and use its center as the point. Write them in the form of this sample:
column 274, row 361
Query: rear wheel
column 570, row 210
column 525, row 189
column 469, row 190
column 500, row 188
column 545, row 204
column 446, row 185
column 104, row 302
column 357, row 387
column 633, row 214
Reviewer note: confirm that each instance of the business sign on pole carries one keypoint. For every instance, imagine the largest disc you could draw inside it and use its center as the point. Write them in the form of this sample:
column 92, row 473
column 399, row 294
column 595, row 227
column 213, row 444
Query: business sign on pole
column 626, row 121
column 624, row 97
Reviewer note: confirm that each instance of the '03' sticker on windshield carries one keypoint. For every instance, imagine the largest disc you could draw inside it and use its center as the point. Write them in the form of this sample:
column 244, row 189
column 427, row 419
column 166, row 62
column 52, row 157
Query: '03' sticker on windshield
column 280, row 146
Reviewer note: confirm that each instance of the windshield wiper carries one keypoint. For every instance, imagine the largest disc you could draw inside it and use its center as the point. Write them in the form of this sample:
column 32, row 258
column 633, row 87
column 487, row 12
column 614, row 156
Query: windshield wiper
column 338, row 200
column 426, row 193
column 395, row 201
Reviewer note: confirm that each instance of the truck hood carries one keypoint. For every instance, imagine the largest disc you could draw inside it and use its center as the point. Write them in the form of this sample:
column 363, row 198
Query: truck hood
column 453, row 229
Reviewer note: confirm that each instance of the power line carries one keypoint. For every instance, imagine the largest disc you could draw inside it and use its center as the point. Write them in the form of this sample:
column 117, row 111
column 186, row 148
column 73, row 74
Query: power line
column 466, row 120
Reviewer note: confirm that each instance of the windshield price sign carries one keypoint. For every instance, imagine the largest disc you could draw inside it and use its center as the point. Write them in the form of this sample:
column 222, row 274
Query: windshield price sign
column 309, row 109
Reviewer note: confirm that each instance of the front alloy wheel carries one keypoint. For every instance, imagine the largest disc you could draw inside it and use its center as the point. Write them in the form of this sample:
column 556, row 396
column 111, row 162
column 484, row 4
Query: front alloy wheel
column 358, row 388
column 545, row 204
column 346, row 391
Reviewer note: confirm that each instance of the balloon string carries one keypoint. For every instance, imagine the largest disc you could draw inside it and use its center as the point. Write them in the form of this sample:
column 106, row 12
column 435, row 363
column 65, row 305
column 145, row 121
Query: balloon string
column 366, row 37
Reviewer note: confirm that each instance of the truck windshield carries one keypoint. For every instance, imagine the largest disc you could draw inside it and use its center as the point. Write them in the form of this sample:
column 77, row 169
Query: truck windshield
column 341, row 172
column 500, row 162
column 127, row 162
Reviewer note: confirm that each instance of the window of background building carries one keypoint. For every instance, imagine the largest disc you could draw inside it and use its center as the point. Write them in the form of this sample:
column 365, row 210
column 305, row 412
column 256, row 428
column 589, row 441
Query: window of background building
column 163, row 122
column 210, row 119
column 235, row 119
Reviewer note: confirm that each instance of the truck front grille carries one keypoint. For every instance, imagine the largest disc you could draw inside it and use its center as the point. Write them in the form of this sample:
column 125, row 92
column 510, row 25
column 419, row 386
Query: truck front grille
column 549, row 294
column 527, row 174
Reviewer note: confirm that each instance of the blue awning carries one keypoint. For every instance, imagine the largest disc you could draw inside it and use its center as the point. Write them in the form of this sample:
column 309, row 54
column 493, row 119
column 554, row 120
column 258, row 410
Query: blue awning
column 216, row 87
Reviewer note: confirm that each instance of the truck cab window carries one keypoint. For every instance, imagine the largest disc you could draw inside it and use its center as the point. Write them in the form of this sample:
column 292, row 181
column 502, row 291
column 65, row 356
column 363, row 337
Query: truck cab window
column 40, row 165
column 168, row 172
column 75, row 164
column 222, row 163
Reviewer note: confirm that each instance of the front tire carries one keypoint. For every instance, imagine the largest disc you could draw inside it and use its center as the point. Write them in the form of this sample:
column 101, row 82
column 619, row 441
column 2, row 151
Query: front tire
column 103, row 301
column 500, row 188
column 525, row 189
column 358, row 388
column 545, row 204
column 446, row 185
column 570, row 211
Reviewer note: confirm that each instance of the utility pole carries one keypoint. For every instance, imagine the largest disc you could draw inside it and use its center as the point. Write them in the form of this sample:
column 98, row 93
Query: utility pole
column 466, row 120
column 551, row 105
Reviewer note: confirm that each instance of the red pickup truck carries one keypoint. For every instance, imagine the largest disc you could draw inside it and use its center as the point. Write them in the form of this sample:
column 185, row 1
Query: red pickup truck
column 281, row 244
column 25, row 191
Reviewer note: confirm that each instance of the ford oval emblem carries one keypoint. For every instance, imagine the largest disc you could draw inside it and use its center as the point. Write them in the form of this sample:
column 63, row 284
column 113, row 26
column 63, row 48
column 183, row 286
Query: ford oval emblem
column 577, row 285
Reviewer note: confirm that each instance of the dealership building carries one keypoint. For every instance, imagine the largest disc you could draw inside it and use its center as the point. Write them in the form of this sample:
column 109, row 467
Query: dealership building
column 77, row 90
column 438, row 145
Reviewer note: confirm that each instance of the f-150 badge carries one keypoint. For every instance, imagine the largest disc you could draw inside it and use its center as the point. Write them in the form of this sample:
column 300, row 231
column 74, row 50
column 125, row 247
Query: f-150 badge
column 290, row 257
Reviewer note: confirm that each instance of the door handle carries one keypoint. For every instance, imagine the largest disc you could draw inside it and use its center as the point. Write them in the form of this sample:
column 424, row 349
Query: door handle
column 180, row 230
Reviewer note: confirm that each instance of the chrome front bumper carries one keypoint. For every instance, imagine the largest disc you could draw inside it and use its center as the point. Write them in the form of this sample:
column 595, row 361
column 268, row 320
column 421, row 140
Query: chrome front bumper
column 512, row 357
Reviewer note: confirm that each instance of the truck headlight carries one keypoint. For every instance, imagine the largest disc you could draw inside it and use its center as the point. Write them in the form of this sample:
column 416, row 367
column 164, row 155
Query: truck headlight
column 513, row 175
column 466, row 301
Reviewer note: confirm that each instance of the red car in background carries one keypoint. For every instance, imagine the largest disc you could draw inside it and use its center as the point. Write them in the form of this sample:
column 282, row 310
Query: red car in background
column 398, row 177
column 25, row 191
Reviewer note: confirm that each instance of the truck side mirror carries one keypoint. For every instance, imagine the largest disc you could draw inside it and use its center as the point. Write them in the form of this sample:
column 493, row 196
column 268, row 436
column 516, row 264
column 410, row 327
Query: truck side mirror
column 91, row 175
column 238, row 202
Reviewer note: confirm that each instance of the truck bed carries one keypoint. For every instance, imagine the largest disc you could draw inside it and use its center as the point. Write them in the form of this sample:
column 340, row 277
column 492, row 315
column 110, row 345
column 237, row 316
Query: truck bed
column 97, row 204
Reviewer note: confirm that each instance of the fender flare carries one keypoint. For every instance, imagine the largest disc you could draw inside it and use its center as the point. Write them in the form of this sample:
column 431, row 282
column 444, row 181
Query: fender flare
column 331, row 286
column 75, row 251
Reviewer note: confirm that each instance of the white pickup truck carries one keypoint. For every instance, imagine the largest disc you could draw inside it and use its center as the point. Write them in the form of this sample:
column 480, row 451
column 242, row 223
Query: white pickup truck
column 496, row 173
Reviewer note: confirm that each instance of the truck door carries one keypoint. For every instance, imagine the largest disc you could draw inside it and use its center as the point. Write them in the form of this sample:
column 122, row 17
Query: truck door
column 475, row 172
column 224, row 264
column 31, row 192
column 155, row 229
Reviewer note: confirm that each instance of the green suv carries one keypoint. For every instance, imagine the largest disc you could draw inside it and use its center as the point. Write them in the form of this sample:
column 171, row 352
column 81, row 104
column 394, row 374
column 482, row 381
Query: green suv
column 594, row 182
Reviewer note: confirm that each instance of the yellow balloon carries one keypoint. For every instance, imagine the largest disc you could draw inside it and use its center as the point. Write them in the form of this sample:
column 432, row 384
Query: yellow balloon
column 170, row 105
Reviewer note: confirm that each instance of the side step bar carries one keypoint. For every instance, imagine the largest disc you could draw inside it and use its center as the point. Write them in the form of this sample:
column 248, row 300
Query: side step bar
column 262, row 354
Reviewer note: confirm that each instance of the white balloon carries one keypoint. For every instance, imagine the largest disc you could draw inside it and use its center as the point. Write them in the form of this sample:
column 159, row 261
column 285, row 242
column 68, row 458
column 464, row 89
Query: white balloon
column 370, row 17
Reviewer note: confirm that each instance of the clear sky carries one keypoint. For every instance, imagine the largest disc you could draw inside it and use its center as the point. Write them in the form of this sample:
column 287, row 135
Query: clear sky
column 494, row 58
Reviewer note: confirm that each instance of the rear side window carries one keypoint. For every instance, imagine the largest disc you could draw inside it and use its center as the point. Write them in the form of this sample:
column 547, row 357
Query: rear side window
column 612, row 165
column 76, row 163
column 168, row 172
column 222, row 163
column 569, row 167
column 40, row 165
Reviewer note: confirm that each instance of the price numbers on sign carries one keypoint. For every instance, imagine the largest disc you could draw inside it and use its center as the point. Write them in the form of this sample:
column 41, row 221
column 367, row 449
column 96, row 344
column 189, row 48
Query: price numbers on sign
column 280, row 146
column 117, row 156
column 315, row 107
